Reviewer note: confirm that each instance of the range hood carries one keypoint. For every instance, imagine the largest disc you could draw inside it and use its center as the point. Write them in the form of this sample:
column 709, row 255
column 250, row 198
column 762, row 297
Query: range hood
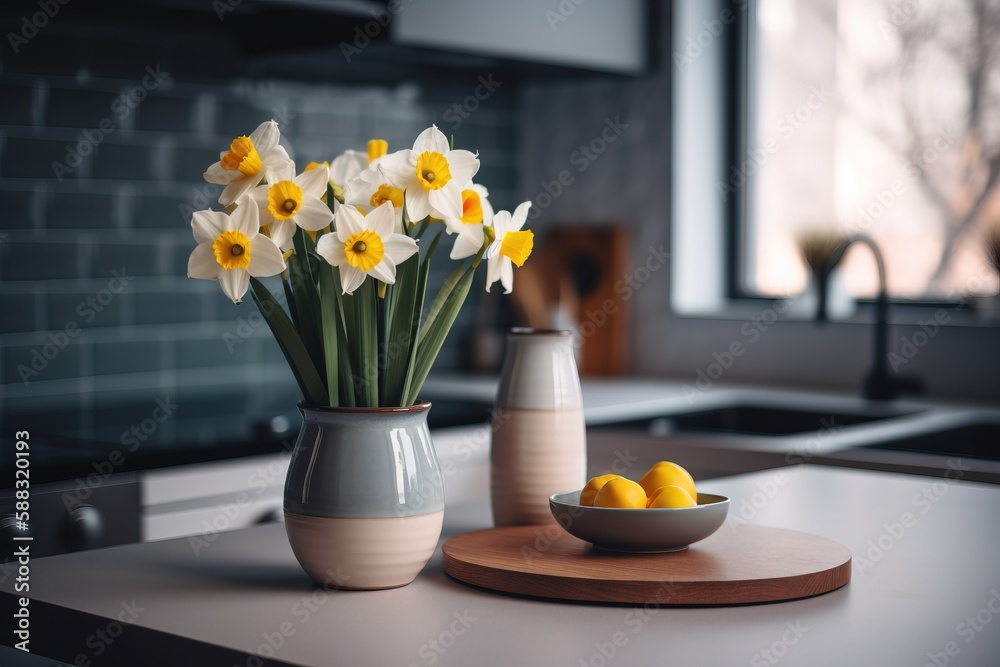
column 376, row 39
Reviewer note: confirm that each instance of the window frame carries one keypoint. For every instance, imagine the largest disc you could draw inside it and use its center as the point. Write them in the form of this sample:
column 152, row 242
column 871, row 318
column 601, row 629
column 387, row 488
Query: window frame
column 740, row 69
column 686, row 320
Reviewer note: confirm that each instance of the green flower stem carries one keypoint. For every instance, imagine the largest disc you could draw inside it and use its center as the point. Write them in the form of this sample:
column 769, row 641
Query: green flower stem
column 330, row 328
column 479, row 255
column 291, row 345
column 432, row 334
column 423, row 227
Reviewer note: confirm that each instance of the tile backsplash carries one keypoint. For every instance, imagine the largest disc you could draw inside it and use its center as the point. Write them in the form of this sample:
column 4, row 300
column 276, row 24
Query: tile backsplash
column 98, row 179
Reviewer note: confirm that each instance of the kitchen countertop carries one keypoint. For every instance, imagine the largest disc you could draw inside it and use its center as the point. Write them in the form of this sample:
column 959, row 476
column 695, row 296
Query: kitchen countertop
column 611, row 403
column 925, row 587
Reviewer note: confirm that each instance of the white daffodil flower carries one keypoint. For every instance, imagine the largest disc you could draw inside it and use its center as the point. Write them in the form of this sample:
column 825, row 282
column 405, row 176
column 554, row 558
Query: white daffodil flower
column 511, row 246
column 377, row 148
column 289, row 201
column 365, row 245
column 247, row 161
column 346, row 166
column 369, row 189
column 477, row 213
column 430, row 174
column 231, row 249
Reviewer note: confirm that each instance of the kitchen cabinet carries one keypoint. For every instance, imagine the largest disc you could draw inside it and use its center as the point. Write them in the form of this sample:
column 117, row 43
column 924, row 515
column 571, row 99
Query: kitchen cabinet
column 925, row 587
column 597, row 36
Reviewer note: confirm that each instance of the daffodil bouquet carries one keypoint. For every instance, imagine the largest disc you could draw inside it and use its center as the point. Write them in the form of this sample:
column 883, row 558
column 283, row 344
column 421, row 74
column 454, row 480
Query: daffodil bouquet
column 344, row 237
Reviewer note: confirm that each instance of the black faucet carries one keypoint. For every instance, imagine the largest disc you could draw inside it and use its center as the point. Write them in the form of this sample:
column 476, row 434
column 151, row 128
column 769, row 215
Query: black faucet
column 879, row 384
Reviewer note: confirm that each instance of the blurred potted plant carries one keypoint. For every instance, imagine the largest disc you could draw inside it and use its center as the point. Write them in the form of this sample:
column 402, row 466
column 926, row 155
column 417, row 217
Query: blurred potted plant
column 989, row 306
column 363, row 497
column 816, row 246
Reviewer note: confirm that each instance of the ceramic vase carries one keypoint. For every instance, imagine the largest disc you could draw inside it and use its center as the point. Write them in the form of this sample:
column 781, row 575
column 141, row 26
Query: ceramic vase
column 363, row 498
column 539, row 440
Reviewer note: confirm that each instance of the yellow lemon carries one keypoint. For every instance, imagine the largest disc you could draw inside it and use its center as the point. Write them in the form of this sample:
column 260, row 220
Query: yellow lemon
column 671, row 496
column 666, row 473
column 620, row 492
column 593, row 486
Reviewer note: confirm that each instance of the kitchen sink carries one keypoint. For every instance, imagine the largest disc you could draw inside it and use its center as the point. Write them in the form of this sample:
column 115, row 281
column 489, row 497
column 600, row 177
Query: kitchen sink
column 452, row 412
column 756, row 420
column 977, row 440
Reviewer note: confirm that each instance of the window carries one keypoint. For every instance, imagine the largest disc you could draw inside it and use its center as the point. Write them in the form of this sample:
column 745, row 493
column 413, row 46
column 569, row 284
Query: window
column 712, row 94
column 873, row 116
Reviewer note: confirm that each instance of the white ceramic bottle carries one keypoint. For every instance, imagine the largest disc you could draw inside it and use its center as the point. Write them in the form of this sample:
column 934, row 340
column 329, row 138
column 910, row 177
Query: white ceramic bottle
column 539, row 439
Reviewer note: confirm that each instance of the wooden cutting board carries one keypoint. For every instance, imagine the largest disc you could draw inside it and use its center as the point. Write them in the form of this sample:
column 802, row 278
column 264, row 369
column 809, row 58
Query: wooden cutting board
column 739, row 564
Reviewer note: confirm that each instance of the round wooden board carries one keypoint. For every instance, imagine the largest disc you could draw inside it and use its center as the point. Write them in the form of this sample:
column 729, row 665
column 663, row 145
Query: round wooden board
column 742, row 564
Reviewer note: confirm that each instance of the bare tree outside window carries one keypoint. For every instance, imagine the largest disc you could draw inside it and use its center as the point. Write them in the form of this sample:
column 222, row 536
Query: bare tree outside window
column 904, row 145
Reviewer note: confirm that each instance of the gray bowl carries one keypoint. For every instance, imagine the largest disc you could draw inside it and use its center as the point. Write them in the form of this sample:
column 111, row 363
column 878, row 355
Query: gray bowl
column 648, row 530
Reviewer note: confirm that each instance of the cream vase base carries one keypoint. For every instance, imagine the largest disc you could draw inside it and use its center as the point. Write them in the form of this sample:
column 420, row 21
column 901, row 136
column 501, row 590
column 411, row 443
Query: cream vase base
column 363, row 554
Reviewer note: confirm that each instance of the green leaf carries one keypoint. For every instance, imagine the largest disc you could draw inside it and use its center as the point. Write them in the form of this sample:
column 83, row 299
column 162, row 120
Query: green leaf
column 403, row 318
column 330, row 320
column 439, row 302
column 359, row 316
column 432, row 248
column 418, row 307
column 331, row 196
column 345, row 370
column 291, row 345
column 381, row 332
column 286, row 285
column 445, row 310
column 305, row 296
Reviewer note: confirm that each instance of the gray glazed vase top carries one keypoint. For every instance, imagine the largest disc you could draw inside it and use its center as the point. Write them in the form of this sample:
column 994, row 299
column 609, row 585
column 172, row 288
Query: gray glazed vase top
column 364, row 463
